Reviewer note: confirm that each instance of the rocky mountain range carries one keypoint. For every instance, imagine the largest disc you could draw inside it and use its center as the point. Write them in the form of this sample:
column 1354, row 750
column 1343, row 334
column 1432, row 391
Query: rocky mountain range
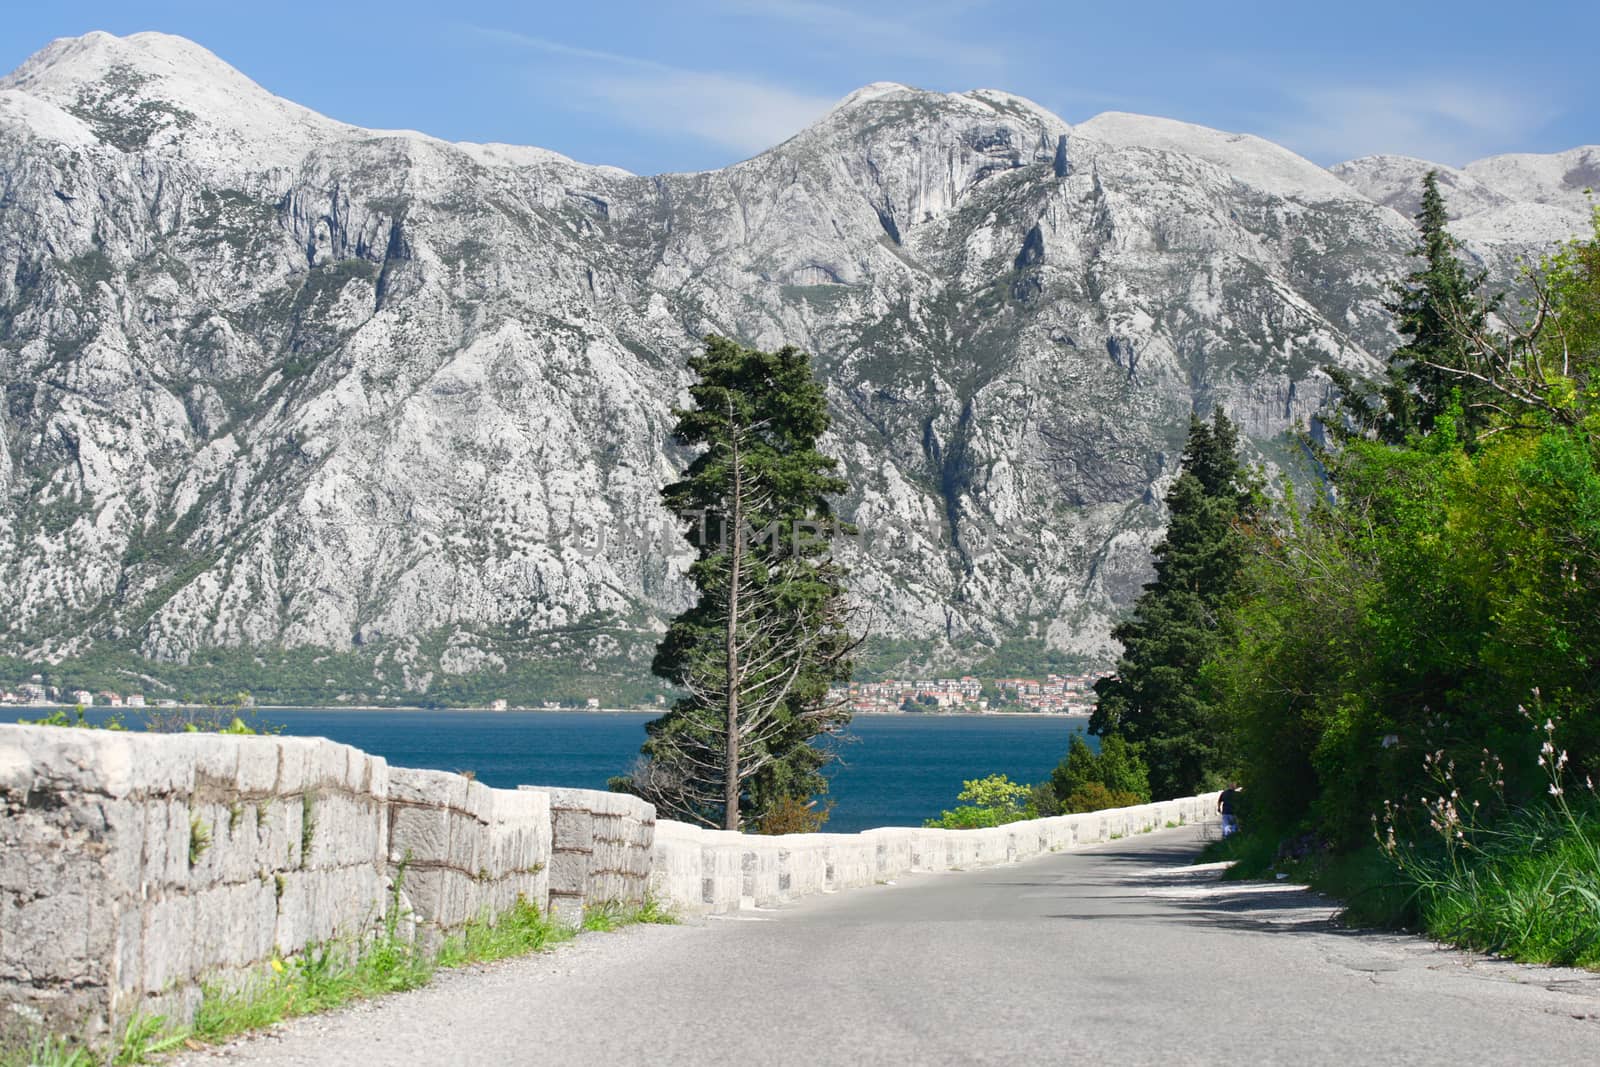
column 392, row 411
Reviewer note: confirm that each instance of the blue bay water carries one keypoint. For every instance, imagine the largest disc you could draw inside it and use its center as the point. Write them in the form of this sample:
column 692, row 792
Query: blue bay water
column 895, row 770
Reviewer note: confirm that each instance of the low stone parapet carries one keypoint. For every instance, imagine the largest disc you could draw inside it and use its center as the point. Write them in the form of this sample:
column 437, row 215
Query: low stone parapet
column 600, row 848
column 460, row 850
column 136, row 869
column 702, row 871
column 134, row 866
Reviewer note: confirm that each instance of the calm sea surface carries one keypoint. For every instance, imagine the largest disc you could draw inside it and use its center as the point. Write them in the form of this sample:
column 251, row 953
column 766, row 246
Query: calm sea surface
column 896, row 770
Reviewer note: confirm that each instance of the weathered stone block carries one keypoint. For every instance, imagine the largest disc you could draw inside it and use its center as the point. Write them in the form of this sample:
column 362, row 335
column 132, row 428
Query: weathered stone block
column 214, row 760
column 436, row 789
column 573, row 829
column 418, row 834
column 168, row 941
column 258, row 765
column 466, row 839
column 166, row 842
column 293, row 774
column 328, row 765
column 722, row 876
column 569, row 873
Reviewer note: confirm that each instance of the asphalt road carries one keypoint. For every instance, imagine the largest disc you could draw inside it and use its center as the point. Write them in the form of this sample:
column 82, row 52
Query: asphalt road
column 1118, row 954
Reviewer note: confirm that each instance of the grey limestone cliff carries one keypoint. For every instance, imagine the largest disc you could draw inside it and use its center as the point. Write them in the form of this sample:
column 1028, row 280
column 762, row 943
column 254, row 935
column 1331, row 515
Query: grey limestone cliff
column 272, row 381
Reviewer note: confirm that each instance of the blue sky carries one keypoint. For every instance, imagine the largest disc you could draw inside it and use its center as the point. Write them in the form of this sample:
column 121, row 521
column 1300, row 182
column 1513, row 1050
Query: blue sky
column 700, row 83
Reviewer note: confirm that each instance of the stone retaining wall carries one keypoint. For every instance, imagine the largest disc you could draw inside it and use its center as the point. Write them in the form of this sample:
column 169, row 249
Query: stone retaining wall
column 696, row 870
column 460, row 850
column 136, row 868
column 133, row 865
column 600, row 848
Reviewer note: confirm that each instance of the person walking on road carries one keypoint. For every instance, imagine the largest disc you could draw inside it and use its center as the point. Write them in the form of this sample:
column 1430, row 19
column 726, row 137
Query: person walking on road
column 1228, row 804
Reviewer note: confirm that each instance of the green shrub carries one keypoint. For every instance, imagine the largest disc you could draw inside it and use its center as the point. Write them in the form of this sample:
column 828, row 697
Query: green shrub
column 790, row 814
column 75, row 718
column 1522, row 881
column 1115, row 772
column 143, row 1037
column 1530, row 890
column 1094, row 796
column 990, row 801
column 1465, row 867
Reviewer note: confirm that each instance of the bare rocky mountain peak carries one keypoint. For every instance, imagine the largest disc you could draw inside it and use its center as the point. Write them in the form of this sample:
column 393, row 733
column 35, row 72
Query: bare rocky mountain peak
column 270, row 380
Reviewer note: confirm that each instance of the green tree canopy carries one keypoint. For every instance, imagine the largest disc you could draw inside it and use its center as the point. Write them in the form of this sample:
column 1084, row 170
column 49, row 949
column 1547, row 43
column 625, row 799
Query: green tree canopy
column 1086, row 781
column 767, row 635
column 1155, row 699
column 1441, row 314
column 1443, row 606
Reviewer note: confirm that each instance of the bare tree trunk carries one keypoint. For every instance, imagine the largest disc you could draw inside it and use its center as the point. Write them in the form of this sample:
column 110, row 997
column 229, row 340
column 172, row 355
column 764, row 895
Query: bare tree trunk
column 730, row 788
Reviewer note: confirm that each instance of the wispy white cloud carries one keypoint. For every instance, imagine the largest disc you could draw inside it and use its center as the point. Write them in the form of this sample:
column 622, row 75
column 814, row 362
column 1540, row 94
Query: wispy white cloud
column 728, row 110
column 910, row 32
column 1442, row 121
column 746, row 116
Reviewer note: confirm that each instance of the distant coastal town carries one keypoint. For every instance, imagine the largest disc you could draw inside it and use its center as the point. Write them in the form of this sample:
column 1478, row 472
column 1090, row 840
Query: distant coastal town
column 1055, row 694
column 37, row 694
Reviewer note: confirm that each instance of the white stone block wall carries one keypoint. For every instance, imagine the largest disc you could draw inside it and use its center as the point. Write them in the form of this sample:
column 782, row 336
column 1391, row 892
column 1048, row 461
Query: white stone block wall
column 460, row 850
column 133, row 866
column 599, row 850
column 699, row 871
column 137, row 868
column 802, row 868
column 677, row 870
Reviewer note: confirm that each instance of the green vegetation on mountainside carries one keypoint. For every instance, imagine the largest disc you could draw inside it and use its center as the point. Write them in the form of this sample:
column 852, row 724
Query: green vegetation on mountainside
column 605, row 660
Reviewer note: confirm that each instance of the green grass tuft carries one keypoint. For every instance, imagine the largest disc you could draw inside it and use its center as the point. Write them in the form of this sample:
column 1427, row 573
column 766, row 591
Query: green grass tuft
column 47, row 1052
column 518, row 932
column 611, row 916
column 324, row 977
column 144, row 1036
column 199, row 839
column 654, row 912
column 1252, row 855
column 1529, row 888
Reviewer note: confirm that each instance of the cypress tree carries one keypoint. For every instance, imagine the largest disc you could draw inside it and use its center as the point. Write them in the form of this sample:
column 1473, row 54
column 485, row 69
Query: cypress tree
column 1154, row 699
column 766, row 638
column 1437, row 308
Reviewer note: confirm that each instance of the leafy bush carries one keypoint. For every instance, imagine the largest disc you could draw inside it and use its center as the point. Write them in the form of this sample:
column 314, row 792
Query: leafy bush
column 1452, row 573
column 1042, row 800
column 791, row 814
column 1529, row 888
column 1116, row 773
column 1094, row 796
column 226, row 718
column 1524, row 880
column 1440, row 591
column 990, row 801
column 1377, row 661
column 75, row 719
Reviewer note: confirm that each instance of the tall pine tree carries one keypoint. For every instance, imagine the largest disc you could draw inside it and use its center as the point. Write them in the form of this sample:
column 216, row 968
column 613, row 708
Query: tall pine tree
column 766, row 637
column 1154, row 698
column 1438, row 308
